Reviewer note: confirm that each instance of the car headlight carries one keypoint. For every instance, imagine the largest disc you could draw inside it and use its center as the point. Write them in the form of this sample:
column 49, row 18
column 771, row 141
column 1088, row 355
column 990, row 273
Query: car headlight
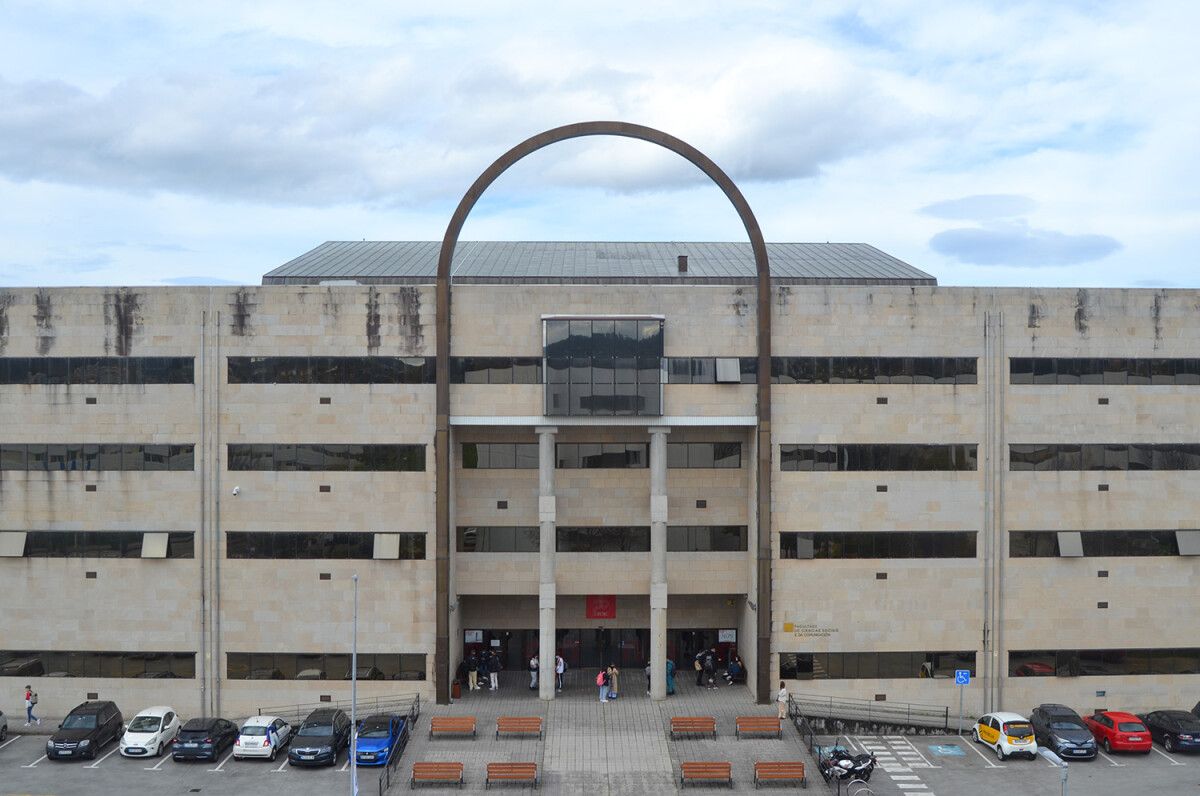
column 85, row 742
column 326, row 749
column 49, row 744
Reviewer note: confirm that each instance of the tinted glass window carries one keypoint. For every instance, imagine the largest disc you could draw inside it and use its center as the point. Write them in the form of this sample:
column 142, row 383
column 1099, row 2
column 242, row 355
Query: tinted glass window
column 603, row 367
column 1113, row 371
column 1104, row 456
column 96, row 370
column 851, row 458
column 324, row 457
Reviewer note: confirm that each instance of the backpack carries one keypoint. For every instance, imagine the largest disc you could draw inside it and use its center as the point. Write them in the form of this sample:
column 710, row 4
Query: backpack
column 33, row 698
column 600, row 678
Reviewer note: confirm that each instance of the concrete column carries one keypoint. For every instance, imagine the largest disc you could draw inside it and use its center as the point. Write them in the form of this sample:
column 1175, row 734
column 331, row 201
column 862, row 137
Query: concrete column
column 658, row 562
column 547, row 589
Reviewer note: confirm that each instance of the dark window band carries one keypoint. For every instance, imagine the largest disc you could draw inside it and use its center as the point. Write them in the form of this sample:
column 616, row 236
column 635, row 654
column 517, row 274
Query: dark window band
column 1104, row 456
column 495, row 370
column 98, row 457
column 706, row 539
column 1045, row 544
column 46, row 663
column 97, row 370
column 498, row 539
column 323, row 666
column 873, row 665
column 104, row 544
column 704, row 455
column 318, row 545
column 500, row 455
column 525, row 539
column 1112, row 370
column 331, row 370
column 1103, row 663
column 878, row 544
column 332, row 457
column 873, row 370
column 604, row 367
column 596, row 455
column 703, row 370
column 861, row 458
column 606, row 539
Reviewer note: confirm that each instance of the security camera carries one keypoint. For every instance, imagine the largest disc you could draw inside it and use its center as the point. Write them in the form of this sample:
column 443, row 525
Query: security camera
column 237, row 490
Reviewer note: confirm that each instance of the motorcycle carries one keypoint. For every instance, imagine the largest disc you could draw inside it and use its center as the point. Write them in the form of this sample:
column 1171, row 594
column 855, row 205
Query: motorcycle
column 841, row 765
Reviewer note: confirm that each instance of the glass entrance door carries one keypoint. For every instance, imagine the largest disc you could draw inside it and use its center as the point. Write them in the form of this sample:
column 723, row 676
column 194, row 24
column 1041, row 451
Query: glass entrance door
column 591, row 648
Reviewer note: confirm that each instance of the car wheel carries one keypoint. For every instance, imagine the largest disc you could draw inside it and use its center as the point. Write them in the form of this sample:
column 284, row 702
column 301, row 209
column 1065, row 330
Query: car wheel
column 999, row 753
column 975, row 735
column 158, row 751
column 1168, row 744
column 3, row 733
column 272, row 757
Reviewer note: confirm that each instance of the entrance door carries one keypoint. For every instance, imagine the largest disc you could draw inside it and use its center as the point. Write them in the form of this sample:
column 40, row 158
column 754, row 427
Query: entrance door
column 683, row 645
column 591, row 648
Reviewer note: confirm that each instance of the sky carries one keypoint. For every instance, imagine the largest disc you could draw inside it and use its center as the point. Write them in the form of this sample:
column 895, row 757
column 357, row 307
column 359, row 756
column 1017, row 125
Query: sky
column 987, row 143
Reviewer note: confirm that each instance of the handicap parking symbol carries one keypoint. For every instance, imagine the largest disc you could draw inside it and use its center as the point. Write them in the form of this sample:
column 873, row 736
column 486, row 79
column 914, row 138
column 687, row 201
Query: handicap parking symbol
column 962, row 676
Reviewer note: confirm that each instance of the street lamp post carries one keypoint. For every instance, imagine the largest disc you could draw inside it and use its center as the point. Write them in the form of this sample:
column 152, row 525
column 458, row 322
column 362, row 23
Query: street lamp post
column 354, row 695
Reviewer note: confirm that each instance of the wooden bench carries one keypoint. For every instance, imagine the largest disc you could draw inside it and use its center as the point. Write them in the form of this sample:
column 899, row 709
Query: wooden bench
column 706, row 772
column 519, row 725
column 758, row 725
column 436, row 772
column 779, row 771
column 693, row 725
column 510, row 772
column 452, row 725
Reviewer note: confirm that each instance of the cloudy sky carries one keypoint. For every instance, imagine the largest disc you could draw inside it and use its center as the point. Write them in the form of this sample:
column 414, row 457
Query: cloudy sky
column 1001, row 143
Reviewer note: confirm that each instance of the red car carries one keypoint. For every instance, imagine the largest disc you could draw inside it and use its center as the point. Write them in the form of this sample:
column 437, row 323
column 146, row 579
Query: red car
column 1119, row 732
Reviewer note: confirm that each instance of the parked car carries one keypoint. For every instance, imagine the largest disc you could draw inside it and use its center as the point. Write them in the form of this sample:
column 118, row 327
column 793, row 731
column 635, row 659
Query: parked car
column 262, row 736
column 87, row 729
column 151, row 731
column 324, row 734
column 1006, row 733
column 1119, row 732
column 1196, row 710
column 377, row 739
column 204, row 738
column 1176, row 730
column 1061, row 729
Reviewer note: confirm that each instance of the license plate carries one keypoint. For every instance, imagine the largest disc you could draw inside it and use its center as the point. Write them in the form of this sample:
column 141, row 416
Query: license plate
column 1135, row 738
column 190, row 745
column 67, row 752
column 308, row 757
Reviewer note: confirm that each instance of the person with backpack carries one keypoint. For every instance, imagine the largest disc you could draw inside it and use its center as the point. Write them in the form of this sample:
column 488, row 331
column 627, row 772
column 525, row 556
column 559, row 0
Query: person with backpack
column 533, row 672
column 473, row 672
column 710, row 669
column 560, row 666
column 699, row 666
column 602, row 681
column 31, row 699
column 494, row 667
column 670, row 677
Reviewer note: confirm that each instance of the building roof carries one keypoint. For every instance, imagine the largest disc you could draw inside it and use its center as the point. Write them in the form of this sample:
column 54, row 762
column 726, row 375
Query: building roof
column 580, row 262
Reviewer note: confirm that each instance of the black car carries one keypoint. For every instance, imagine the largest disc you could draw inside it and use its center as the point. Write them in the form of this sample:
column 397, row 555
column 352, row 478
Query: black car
column 1061, row 729
column 86, row 730
column 323, row 734
column 1176, row 730
column 204, row 739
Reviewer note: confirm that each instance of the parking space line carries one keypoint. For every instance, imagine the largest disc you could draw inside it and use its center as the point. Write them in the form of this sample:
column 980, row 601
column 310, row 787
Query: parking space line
column 346, row 767
column 158, row 766
column 1170, row 759
column 101, row 760
column 10, row 740
column 974, row 747
column 222, row 763
column 35, row 762
column 1109, row 759
column 282, row 766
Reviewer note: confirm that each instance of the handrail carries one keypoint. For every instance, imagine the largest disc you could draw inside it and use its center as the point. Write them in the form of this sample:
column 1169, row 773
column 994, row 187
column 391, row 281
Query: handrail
column 385, row 776
column 397, row 703
column 813, row 706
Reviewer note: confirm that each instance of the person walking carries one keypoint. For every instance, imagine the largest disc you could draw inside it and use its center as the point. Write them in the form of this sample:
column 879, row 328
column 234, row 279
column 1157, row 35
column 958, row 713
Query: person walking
column 602, row 681
column 647, row 678
column 533, row 672
column 670, row 677
column 560, row 666
column 614, row 677
column 30, row 700
column 494, row 671
column 781, row 700
column 473, row 672
column 699, row 665
column 710, row 669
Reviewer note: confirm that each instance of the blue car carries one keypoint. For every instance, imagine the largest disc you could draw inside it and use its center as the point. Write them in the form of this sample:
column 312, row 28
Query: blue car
column 378, row 739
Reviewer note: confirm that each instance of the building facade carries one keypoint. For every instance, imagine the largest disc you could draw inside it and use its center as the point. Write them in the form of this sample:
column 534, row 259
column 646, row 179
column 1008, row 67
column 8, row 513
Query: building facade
column 1001, row 480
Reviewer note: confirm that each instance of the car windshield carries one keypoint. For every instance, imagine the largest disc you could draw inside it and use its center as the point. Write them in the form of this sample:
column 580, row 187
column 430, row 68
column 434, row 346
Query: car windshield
column 1066, row 724
column 375, row 731
column 315, row 730
column 1188, row 724
column 1018, row 729
column 1131, row 726
column 145, row 724
column 75, row 721
column 254, row 730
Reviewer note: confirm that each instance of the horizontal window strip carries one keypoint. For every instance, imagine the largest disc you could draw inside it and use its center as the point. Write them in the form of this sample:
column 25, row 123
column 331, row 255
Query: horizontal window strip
column 331, row 370
column 1104, row 456
column 877, row 544
column 706, row 539
column 873, row 665
column 704, row 370
column 75, row 663
column 326, row 457
column 1103, row 662
column 498, row 539
column 500, row 455
column 704, row 455
column 1108, row 371
column 863, row 458
column 324, row 666
column 495, row 370
column 97, row 370
column 601, row 456
column 874, row 370
column 95, row 456
column 100, row 544
column 1046, row 544
column 324, row 545
column 604, row 539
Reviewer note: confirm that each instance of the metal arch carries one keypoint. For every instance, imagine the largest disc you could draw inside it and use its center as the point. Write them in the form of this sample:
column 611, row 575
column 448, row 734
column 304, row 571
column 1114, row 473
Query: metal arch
column 442, row 453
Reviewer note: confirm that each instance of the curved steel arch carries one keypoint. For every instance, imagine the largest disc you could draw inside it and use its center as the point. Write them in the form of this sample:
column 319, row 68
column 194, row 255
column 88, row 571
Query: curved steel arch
column 442, row 451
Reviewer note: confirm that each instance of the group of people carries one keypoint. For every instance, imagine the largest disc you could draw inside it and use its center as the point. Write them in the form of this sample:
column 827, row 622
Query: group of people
column 488, row 665
column 560, row 666
column 706, row 663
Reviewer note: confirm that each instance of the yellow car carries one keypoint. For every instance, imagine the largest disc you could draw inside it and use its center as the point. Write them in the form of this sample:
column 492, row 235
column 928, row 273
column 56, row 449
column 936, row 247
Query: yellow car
column 1007, row 734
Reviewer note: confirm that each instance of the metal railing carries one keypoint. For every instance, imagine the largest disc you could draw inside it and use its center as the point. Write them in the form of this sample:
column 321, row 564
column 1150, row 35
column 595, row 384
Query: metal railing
column 812, row 706
column 389, row 770
column 408, row 704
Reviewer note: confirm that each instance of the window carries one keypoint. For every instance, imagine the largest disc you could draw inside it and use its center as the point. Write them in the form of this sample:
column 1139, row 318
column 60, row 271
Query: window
column 331, row 370
column 316, row 545
column 878, row 544
column 102, row 544
column 597, row 455
column 873, row 665
column 607, row 539
column 500, row 455
column 858, row 458
column 706, row 538
column 326, row 457
column 704, row 455
column 1103, row 662
column 1104, row 456
column 323, row 666
column 517, row 539
column 873, row 370
column 496, row 370
column 1111, row 371
column 1044, row 544
column 46, row 663
column 604, row 367
column 97, row 370
column 37, row 457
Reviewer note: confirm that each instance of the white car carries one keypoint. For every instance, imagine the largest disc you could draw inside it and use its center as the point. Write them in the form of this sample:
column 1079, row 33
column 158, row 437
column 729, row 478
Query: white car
column 151, row 731
column 1007, row 734
column 262, row 736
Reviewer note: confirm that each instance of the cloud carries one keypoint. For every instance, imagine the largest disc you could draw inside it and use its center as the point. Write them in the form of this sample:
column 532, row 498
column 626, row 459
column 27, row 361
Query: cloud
column 1019, row 245
column 981, row 207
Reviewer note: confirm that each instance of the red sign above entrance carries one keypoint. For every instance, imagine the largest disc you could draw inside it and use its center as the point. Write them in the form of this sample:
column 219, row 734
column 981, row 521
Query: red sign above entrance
column 601, row 606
